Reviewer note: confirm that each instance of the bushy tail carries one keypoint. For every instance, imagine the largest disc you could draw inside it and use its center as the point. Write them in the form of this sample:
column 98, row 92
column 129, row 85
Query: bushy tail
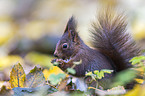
column 110, row 37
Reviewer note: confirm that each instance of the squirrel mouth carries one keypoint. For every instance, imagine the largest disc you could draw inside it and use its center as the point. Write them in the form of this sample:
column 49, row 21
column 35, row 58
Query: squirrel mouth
column 66, row 59
column 63, row 58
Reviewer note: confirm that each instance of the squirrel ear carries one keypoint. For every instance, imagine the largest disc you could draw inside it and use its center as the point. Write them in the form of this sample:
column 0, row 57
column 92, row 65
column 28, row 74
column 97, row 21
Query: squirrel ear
column 71, row 28
column 71, row 25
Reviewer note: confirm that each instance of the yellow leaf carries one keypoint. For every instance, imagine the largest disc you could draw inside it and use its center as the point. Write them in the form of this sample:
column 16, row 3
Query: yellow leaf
column 17, row 76
column 139, row 80
column 52, row 70
column 138, row 90
column 133, row 92
column 141, row 70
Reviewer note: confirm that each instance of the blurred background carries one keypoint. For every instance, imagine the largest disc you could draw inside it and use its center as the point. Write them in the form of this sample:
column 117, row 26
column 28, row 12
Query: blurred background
column 30, row 29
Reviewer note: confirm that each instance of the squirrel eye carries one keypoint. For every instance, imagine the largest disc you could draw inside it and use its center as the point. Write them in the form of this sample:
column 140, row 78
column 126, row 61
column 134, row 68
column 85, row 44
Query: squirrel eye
column 65, row 45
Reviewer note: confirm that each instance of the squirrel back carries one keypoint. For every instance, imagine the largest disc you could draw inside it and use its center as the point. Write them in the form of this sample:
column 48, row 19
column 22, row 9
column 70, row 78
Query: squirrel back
column 113, row 46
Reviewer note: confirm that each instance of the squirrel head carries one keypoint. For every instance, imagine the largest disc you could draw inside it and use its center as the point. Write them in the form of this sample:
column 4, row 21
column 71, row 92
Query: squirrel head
column 69, row 43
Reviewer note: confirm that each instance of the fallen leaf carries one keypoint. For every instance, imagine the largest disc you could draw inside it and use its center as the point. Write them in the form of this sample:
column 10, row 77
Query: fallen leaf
column 17, row 76
column 38, row 91
column 55, row 79
column 35, row 78
column 139, row 80
column 124, row 77
column 138, row 90
column 71, row 71
column 52, row 70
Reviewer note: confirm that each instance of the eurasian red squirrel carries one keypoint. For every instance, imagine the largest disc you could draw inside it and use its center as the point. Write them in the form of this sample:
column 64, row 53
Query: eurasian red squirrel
column 113, row 46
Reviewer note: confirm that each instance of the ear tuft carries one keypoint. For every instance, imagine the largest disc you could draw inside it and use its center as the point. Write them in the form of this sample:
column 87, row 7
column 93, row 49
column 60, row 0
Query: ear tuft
column 71, row 25
column 71, row 29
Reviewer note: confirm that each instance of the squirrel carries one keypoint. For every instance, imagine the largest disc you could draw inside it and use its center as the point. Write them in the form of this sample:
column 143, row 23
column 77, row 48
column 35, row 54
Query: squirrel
column 112, row 48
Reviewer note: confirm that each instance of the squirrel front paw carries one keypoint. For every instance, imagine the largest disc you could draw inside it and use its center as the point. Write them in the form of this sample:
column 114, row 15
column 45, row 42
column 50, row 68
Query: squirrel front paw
column 60, row 61
column 53, row 61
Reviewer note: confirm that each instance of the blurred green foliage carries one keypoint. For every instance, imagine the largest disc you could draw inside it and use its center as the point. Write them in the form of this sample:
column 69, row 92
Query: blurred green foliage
column 39, row 59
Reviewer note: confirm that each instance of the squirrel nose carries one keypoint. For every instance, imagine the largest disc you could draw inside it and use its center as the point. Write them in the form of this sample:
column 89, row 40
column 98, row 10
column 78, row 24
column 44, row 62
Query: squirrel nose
column 55, row 54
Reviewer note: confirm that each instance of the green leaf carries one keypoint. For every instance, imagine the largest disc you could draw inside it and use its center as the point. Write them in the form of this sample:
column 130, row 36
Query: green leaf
column 107, row 71
column 56, row 63
column 137, row 60
column 55, row 79
column 96, row 72
column 88, row 73
column 71, row 71
column 125, row 77
column 102, row 74
column 77, row 63
column 17, row 76
column 35, row 78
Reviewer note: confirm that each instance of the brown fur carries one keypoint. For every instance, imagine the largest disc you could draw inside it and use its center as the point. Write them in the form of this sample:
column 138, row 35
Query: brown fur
column 113, row 46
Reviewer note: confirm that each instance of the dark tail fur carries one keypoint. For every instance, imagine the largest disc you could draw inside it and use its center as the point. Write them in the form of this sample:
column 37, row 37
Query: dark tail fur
column 110, row 38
